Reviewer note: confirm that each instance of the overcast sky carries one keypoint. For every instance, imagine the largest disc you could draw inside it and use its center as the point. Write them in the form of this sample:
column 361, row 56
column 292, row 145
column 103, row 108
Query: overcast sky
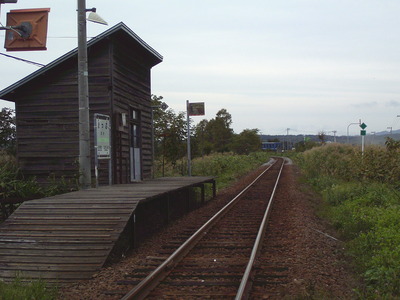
column 307, row 65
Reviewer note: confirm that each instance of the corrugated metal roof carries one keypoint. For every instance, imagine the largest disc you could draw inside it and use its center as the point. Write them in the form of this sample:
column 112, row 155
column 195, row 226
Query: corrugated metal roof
column 120, row 26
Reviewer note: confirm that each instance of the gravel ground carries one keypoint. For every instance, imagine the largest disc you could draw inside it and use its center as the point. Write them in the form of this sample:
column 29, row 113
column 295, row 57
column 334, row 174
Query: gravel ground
column 318, row 268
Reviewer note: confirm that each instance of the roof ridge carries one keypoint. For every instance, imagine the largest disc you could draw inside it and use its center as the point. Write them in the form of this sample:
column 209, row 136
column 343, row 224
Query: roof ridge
column 71, row 53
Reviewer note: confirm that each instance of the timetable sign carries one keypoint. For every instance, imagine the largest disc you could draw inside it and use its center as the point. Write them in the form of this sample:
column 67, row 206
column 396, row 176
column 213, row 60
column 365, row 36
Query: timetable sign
column 103, row 141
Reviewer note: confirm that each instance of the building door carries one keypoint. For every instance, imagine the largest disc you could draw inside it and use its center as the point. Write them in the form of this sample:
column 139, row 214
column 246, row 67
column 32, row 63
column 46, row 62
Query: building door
column 135, row 146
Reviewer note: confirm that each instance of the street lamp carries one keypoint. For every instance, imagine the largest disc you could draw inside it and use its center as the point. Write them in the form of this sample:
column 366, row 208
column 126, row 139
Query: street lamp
column 359, row 122
column 83, row 91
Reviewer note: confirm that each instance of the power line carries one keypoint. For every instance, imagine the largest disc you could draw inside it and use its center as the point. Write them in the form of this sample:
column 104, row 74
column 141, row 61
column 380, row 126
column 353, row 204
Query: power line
column 23, row 60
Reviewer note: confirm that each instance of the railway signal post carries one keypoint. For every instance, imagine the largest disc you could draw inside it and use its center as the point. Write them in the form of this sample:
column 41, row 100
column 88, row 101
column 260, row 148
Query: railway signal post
column 363, row 133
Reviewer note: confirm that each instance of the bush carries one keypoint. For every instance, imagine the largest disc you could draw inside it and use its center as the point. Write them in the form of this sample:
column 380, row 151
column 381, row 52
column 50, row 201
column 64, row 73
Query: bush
column 333, row 160
column 14, row 185
column 363, row 202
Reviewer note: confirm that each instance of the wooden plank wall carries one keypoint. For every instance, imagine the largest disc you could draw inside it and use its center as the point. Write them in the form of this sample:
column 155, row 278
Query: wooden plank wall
column 47, row 117
column 131, row 86
column 47, row 125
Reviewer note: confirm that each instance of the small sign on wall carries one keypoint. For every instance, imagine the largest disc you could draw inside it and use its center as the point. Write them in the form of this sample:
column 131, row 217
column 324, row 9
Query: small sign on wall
column 102, row 144
column 103, row 136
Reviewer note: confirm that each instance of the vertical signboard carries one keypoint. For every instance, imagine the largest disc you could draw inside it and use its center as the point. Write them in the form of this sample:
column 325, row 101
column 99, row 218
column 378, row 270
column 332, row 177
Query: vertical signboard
column 102, row 142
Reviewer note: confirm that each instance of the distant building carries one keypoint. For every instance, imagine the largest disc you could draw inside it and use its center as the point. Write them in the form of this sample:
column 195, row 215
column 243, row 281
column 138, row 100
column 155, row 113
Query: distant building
column 46, row 104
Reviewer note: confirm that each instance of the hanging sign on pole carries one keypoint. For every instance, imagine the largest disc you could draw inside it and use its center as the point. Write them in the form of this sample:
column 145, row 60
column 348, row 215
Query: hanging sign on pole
column 196, row 109
column 192, row 109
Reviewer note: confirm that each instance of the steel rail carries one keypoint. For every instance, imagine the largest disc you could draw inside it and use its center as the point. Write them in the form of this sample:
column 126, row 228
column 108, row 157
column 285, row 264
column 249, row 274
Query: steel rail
column 155, row 277
column 246, row 282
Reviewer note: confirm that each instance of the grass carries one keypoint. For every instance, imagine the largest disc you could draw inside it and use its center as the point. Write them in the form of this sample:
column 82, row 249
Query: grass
column 30, row 290
column 362, row 198
column 227, row 167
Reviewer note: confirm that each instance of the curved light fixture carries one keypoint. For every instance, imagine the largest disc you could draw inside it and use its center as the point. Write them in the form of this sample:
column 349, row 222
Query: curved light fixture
column 95, row 18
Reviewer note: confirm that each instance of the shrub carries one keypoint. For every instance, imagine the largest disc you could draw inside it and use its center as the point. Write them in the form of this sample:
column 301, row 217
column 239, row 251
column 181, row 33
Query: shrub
column 331, row 160
column 14, row 185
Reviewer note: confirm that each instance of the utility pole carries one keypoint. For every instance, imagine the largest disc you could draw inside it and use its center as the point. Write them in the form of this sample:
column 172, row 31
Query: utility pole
column 287, row 142
column 83, row 91
column 189, row 157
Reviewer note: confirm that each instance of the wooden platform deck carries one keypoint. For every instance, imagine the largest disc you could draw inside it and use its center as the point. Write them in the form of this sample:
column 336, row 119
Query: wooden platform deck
column 69, row 237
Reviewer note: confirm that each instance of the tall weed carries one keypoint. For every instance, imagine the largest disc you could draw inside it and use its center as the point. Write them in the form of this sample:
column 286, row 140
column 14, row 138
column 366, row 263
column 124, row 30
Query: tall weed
column 363, row 199
column 227, row 167
column 14, row 185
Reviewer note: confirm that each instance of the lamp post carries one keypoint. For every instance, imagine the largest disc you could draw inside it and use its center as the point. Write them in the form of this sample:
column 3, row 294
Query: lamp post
column 85, row 179
column 359, row 122
column 373, row 136
column 83, row 91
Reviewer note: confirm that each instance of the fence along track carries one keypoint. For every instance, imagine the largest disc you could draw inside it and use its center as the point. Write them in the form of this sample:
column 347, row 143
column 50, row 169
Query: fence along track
column 229, row 267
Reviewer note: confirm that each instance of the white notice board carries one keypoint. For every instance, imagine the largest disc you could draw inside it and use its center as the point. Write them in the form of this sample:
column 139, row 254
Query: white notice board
column 103, row 136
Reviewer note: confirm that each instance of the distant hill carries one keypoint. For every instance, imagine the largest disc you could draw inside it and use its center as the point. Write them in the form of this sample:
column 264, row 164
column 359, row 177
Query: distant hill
column 375, row 139
column 394, row 132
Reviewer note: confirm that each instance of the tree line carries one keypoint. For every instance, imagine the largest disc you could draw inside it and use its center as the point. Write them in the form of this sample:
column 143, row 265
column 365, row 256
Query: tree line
column 208, row 136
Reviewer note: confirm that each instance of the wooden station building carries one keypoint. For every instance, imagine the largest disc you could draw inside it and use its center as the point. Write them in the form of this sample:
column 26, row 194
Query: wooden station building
column 46, row 104
column 69, row 237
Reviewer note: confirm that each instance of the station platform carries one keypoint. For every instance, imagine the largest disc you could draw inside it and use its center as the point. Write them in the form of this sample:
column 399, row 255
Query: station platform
column 69, row 237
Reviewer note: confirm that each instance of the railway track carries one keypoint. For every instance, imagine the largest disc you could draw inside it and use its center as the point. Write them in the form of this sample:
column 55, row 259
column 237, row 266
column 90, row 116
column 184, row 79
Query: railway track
column 218, row 261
